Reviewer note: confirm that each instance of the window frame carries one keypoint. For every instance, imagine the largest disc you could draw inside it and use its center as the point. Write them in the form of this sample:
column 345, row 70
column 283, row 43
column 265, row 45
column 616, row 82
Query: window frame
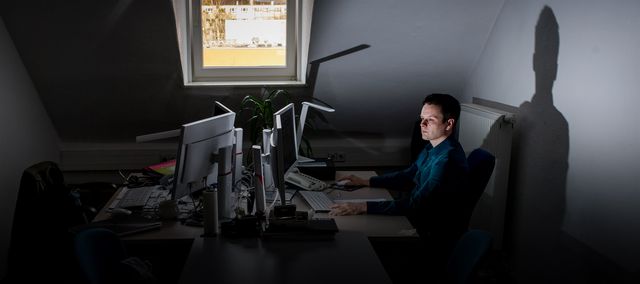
column 298, row 29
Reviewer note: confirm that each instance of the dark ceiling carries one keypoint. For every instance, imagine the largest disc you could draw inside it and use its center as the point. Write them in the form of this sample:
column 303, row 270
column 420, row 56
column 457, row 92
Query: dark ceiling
column 98, row 64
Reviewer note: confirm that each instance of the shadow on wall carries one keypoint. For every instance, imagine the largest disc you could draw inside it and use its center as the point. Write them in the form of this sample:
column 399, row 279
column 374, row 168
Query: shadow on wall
column 541, row 251
column 540, row 163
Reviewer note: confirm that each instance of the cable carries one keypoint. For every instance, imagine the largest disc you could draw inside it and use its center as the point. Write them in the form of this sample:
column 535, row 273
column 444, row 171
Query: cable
column 244, row 190
column 275, row 199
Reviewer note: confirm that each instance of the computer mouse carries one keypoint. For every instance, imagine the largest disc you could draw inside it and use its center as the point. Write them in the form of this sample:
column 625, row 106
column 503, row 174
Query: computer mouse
column 120, row 212
column 343, row 182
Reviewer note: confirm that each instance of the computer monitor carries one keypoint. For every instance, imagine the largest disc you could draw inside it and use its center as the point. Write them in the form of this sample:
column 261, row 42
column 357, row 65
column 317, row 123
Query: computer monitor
column 236, row 157
column 284, row 147
column 199, row 151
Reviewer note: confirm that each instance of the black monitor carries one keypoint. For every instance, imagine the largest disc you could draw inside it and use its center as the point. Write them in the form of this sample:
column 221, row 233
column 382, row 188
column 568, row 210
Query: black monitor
column 284, row 146
column 200, row 142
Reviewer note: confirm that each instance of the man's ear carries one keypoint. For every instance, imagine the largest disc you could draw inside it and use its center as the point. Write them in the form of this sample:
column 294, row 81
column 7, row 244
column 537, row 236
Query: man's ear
column 450, row 123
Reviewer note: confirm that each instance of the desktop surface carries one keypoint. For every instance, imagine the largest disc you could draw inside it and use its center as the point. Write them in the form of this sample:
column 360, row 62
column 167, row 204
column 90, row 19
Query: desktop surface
column 366, row 230
column 378, row 226
column 169, row 229
column 348, row 258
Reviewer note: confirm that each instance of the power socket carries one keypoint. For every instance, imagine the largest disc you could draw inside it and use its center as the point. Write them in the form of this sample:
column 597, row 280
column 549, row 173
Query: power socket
column 337, row 157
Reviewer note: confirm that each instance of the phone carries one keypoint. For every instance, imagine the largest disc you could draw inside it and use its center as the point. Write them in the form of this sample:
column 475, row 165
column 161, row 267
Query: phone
column 304, row 181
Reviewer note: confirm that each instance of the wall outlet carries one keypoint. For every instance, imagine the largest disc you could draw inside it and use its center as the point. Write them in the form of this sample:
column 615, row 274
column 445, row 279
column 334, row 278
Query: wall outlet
column 337, row 157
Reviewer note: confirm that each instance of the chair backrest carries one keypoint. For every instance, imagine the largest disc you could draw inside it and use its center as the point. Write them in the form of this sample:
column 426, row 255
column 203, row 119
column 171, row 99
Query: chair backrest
column 448, row 211
column 45, row 210
column 99, row 252
column 469, row 251
column 481, row 164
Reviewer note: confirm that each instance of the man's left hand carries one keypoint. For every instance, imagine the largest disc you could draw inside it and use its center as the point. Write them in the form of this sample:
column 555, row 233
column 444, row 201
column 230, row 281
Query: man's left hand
column 349, row 208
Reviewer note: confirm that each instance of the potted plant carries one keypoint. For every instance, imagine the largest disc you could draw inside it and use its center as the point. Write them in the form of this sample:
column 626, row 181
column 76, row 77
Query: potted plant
column 262, row 109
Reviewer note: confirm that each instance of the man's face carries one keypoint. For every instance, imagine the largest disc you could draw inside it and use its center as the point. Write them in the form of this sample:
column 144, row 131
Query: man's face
column 431, row 125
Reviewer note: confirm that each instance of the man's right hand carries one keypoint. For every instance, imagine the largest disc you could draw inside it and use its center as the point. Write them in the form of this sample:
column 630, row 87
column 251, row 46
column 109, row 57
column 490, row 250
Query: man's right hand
column 355, row 180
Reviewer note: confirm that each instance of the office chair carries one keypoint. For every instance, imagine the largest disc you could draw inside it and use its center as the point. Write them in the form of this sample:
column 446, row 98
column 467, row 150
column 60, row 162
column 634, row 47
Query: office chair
column 40, row 246
column 103, row 259
column 444, row 232
column 468, row 253
column 481, row 164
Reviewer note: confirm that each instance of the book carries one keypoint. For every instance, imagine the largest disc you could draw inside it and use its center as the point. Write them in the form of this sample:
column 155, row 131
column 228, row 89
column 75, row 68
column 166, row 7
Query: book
column 164, row 168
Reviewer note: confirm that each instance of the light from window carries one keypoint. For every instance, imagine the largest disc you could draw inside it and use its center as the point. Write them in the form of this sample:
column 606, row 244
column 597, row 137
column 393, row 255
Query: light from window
column 253, row 37
column 247, row 41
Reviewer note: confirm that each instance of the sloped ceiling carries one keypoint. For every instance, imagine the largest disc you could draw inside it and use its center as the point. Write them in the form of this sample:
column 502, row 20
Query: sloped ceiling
column 109, row 70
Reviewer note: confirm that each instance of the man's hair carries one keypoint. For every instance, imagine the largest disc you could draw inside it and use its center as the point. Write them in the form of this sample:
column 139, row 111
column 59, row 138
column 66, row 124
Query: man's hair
column 448, row 104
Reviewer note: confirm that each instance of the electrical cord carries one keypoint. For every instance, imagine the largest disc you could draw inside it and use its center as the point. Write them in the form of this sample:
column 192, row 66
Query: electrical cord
column 245, row 191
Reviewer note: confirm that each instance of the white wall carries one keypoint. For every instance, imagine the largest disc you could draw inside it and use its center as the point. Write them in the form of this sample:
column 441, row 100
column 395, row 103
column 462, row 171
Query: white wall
column 28, row 135
column 418, row 47
column 574, row 192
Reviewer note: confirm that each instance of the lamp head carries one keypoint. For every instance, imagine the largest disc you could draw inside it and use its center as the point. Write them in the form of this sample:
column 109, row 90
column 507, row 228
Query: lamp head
column 323, row 108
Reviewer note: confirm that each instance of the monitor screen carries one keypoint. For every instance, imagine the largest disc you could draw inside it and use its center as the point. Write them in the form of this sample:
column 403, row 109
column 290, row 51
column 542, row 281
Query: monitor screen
column 285, row 148
column 200, row 141
column 285, row 131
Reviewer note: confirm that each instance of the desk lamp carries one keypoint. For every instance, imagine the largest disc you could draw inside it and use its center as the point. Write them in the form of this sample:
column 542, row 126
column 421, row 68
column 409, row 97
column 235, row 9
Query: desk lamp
column 303, row 118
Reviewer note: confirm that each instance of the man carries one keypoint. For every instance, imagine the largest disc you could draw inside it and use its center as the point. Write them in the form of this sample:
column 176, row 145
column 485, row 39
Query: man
column 438, row 175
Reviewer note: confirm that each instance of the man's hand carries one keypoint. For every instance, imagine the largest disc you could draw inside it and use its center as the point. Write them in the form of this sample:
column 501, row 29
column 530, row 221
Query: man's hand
column 355, row 180
column 349, row 208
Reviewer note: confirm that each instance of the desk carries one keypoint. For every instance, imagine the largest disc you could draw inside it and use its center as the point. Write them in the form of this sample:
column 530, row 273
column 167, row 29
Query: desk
column 349, row 258
column 171, row 230
column 370, row 225
column 377, row 226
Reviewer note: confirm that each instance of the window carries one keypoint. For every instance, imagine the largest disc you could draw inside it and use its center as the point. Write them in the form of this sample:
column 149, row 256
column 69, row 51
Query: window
column 247, row 42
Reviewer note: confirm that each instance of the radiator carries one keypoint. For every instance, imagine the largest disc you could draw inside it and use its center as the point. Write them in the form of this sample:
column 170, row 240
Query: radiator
column 490, row 129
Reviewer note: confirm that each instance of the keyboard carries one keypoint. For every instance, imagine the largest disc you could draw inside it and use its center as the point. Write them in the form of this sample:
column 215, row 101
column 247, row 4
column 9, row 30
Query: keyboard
column 135, row 197
column 318, row 200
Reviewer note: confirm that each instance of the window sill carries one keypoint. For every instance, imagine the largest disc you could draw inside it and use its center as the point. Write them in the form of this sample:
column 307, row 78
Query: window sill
column 245, row 83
